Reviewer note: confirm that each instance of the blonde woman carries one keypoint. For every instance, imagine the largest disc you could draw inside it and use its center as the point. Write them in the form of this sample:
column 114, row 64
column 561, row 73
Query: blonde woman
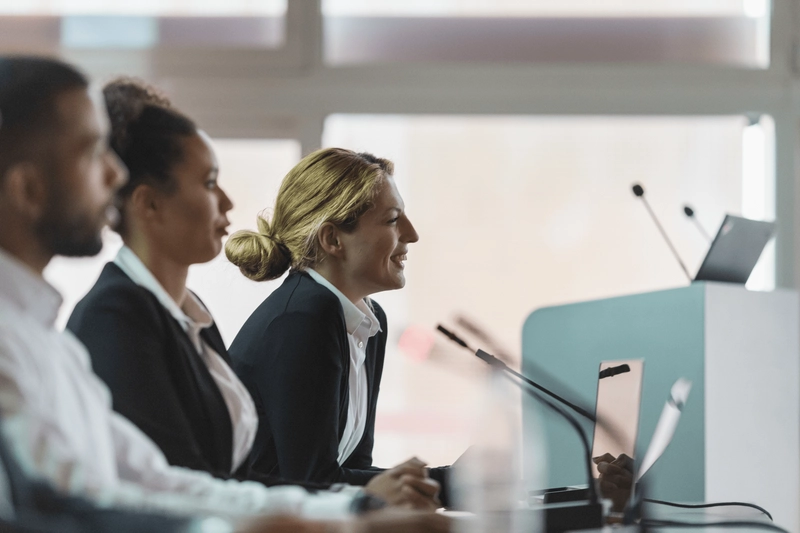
column 312, row 353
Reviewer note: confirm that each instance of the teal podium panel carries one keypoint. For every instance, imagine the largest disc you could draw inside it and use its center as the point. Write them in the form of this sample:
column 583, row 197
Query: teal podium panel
column 740, row 349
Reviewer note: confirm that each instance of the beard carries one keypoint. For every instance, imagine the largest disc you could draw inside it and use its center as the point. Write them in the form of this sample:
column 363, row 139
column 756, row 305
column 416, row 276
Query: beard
column 67, row 230
column 75, row 237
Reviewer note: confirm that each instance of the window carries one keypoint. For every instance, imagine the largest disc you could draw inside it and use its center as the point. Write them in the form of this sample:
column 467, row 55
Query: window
column 543, row 8
column 727, row 32
column 263, row 8
column 88, row 24
column 518, row 212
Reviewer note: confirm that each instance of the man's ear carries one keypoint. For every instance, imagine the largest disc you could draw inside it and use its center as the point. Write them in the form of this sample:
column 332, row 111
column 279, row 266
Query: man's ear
column 144, row 202
column 329, row 238
column 25, row 189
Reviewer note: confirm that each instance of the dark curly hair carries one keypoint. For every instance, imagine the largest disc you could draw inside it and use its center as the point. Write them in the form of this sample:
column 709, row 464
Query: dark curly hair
column 147, row 134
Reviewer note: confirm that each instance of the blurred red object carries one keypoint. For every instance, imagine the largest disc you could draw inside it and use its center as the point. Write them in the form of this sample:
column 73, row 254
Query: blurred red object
column 417, row 342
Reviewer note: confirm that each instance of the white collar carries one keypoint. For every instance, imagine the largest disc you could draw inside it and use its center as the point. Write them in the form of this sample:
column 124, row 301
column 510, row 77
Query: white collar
column 25, row 288
column 192, row 314
column 354, row 314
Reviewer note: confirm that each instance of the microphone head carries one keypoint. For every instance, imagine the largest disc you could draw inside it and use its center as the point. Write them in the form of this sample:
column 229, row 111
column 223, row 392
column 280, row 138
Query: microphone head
column 638, row 190
column 688, row 210
column 452, row 336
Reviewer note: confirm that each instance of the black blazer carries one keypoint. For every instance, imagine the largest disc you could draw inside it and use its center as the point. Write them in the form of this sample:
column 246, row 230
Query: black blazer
column 156, row 377
column 294, row 357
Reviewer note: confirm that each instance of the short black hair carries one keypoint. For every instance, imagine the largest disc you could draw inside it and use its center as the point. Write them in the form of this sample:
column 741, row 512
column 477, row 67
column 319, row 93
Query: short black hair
column 29, row 87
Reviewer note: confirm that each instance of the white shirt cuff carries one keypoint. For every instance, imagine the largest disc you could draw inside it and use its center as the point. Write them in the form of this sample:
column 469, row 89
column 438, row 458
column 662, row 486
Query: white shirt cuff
column 211, row 524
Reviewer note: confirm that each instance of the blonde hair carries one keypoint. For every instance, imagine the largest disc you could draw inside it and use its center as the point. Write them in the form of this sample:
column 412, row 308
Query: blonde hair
column 331, row 185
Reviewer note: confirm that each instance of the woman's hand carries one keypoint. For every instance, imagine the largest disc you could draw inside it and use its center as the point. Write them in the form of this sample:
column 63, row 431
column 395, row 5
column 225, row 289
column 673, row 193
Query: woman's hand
column 616, row 478
column 406, row 485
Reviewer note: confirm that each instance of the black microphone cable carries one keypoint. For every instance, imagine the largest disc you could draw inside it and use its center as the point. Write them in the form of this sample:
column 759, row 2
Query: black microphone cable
column 658, row 523
column 709, row 505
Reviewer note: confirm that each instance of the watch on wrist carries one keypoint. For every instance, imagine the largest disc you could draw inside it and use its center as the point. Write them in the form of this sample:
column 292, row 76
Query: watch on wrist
column 364, row 503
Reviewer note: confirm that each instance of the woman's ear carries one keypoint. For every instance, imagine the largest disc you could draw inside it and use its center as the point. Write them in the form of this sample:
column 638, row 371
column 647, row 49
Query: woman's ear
column 144, row 202
column 329, row 239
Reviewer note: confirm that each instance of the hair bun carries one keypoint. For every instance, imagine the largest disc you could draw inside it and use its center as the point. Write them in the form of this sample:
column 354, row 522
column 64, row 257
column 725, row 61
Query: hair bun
column 125, row 99
column 259, row 255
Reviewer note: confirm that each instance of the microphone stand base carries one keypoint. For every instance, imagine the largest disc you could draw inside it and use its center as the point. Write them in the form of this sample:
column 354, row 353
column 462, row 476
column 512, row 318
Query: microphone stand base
column 566, row 494
column 570, row 516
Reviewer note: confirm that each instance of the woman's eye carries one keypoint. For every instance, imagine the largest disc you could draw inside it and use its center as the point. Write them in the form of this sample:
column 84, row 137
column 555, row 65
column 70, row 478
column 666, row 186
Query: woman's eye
column 394, row 220
column 211, row 184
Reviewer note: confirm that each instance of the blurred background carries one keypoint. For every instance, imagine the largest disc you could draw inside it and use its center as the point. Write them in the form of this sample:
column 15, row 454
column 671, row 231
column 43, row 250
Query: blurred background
column 517, row 128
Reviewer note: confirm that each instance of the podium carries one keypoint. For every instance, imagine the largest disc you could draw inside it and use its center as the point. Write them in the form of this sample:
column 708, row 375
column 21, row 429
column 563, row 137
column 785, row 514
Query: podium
column 739, row 435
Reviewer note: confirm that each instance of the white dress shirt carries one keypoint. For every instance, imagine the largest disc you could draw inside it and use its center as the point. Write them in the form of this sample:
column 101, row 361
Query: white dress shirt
column 194, row 317
column 361, row 324
column 58, row 419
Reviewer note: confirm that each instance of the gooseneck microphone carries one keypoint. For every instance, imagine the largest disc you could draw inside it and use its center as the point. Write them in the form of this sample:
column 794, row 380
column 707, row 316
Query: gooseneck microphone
column 638, row 190
column 533, row 390
column 689, row 212
column 497, row 363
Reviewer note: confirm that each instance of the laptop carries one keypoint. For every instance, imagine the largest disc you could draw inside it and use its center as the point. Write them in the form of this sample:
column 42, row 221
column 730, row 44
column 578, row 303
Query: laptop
column 619, row 400
column 735, row 250
column 622, row 438
column 619, row 390
column 619, row 397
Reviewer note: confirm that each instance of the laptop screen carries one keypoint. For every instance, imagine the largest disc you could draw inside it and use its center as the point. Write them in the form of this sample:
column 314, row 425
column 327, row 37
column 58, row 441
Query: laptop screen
column 619, row 395
column 735, row 250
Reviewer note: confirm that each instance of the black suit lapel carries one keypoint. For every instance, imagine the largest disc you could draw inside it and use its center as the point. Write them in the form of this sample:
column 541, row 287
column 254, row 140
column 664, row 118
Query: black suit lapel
column 344, row 383
column 213, row 338
column 369, row 364
column 208, row 403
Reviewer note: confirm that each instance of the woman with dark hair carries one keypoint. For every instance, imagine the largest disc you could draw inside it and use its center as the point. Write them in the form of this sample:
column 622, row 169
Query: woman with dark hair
column 152, row 340
column 312, row 353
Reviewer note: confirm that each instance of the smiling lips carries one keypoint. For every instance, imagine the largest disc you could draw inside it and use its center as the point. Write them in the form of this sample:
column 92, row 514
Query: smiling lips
column 399, row 259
